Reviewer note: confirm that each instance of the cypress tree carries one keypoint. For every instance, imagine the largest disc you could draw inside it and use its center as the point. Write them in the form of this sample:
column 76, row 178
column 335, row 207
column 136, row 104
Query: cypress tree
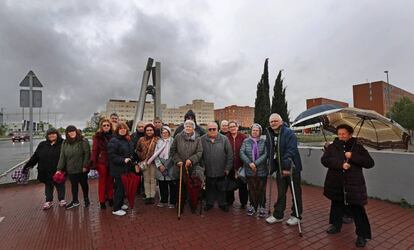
column 279, row 103
column 262, row 102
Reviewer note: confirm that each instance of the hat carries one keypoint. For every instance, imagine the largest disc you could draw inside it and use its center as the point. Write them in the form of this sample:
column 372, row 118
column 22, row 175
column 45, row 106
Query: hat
column 166, row 128
column 70, row 128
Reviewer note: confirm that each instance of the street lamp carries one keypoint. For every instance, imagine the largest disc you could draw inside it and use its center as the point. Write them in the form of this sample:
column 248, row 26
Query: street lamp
column 389, row 94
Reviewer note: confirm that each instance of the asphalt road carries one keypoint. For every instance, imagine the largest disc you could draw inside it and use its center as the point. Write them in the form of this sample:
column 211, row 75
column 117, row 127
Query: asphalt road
column 14, row 153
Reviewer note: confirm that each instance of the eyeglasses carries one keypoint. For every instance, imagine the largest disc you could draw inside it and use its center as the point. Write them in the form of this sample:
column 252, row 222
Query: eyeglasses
column 106, row 125
column 212, row 129
column 232, row 126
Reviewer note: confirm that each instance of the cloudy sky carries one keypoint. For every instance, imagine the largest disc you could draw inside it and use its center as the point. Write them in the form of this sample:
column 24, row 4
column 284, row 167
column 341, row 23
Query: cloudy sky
column 86, row 52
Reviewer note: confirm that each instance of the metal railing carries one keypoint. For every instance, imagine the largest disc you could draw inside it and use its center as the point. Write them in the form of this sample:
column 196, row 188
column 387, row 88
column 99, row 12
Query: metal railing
column 13, row 168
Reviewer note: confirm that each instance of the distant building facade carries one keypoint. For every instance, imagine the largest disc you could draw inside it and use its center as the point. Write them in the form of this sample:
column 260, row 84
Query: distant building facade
column 378, row 96
column 126, row 111
column 321, row 100
column 244, row 115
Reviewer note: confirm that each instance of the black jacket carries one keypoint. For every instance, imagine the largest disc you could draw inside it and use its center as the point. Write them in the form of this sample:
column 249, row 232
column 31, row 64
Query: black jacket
column 352, row 180
column 46, row 157
column 120, row 148
column 199, row 130
column 135, row 137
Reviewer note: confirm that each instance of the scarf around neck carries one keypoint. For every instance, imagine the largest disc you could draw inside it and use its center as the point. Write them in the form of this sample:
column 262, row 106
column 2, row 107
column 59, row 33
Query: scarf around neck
column 255, row 149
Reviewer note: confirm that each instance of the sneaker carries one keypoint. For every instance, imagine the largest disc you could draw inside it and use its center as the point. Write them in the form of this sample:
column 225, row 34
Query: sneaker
column 171, row 206
column 162, row 204
column 87, row 202
column 272, row 220
column 251, row 211
column 103, row 205
column 360, row 242
column 292, row 221
column 72, row 204
column 262, row 213
column 119, row 212
column 124, row 207
column 47, row 205
column 333, row 230
column 62, row 203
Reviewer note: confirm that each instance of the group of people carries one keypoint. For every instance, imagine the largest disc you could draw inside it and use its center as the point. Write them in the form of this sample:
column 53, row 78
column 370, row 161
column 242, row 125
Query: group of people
column 214, row 158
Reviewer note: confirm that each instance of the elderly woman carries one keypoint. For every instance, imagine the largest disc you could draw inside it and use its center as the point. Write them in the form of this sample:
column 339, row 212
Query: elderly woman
column 99, row 159
column 165, row 171
column 186, row 152
column 46, row 157
column 345, row 184
column 145, row 149
column 253, row 154
column 74, row 159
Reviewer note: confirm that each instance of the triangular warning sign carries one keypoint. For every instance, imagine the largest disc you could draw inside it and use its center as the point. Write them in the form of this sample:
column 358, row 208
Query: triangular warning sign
column 36, row 82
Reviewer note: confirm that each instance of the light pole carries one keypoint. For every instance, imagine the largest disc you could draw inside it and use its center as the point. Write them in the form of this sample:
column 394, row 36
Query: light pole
column 389, row 94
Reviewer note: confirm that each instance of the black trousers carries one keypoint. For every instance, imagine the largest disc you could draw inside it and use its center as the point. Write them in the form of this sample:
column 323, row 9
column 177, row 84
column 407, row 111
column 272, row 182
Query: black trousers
column 60, row 188
column 75, row 180
column 213, row 194
column 119, row 194
column 283, row 184
column 168, row 189
column 257, row 191
column 363, row 228
column 243, row 192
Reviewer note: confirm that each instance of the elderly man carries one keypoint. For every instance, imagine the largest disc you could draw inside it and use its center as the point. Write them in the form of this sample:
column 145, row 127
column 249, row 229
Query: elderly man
column 217, row 161
column 284, row 158
column 224, row 127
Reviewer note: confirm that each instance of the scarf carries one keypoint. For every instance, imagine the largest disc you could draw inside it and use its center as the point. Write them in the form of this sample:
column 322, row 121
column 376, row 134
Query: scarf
column 255, row 149
column 165, row 149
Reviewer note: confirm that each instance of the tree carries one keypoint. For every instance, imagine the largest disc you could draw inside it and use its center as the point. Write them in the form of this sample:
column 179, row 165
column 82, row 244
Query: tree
column 403, row 113
column 279, row 103
column 262, row 102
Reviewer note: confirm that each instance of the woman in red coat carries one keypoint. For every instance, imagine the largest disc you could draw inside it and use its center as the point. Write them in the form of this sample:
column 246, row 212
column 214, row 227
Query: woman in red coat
column 345, row 184
column 99, row 159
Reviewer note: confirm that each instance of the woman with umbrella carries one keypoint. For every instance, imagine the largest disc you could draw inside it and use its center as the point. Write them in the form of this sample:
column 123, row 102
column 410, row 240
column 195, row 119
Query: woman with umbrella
column 345, row 184
column 121, row 158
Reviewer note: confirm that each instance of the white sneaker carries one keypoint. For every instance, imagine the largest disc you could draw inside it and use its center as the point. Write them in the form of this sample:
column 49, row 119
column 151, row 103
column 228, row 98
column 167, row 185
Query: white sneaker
column 124, row 207
column 119, row 212
column 47, row 205
column 272, row 220
column 292, row 221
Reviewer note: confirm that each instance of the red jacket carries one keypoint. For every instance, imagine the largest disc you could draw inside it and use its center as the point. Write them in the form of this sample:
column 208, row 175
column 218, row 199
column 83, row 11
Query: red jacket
column 235, row 146
column 99, row 149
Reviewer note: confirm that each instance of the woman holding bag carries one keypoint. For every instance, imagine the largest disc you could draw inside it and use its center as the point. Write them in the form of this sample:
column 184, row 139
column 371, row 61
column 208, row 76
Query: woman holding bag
column 253, row 154
column 145, row 149
column 165, row 170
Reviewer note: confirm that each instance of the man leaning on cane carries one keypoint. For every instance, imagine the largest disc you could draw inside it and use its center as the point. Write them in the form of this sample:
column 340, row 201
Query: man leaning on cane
column 284, row 157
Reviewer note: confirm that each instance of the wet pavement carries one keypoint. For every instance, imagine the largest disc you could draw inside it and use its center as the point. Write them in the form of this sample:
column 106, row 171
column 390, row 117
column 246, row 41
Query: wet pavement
column 26, row 226
column 14, row 153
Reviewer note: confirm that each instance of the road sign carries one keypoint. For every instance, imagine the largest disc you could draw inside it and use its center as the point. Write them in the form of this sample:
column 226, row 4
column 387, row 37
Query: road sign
column 24, row 98
column 36, row 82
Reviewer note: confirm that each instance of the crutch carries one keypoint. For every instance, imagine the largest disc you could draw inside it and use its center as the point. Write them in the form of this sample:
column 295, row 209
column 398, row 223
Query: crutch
column 294, row 199
column 179, row 191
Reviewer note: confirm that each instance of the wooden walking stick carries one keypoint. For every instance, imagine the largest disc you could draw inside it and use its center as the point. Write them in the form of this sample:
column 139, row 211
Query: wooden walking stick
column 179, row 191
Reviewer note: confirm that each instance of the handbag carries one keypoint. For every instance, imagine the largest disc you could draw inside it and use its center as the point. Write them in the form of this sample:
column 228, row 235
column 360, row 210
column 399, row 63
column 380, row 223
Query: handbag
column 241, row 174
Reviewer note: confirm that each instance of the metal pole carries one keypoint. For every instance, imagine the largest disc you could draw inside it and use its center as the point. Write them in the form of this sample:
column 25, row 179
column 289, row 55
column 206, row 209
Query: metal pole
column 389, row 95
column 31, row 113
column 157, row 83
column 139, row 111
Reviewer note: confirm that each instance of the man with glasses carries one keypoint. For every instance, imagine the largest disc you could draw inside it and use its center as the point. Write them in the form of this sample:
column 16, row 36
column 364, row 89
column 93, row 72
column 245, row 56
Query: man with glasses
column 218, row 161
column 284, row 158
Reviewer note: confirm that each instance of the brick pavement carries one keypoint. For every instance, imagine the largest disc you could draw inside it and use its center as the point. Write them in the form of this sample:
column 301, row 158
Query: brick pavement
column 26, row 226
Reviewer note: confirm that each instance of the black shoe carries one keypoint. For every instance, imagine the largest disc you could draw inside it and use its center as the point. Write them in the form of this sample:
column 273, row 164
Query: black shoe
column 224, row 208
column 147, row 201
column 208, row 207
column 72, row 204
column 243, row 206
column 152, row 200
column 103, row 205
column 111, row 202
column 333, row 230
column 87, row 202
column 360, row 242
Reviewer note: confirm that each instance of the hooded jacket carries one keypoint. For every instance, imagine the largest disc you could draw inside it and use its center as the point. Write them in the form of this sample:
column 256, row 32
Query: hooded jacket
column 198, row 130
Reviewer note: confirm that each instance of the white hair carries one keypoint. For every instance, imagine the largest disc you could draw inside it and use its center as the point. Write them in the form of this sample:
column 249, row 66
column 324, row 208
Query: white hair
column 212, row 123
column 190, row 122
column 224, row 122
column 275, row 116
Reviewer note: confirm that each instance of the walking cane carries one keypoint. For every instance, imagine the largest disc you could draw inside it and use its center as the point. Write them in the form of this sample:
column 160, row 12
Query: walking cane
column 179, row 191
column 270, row 191
column 294, row 199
